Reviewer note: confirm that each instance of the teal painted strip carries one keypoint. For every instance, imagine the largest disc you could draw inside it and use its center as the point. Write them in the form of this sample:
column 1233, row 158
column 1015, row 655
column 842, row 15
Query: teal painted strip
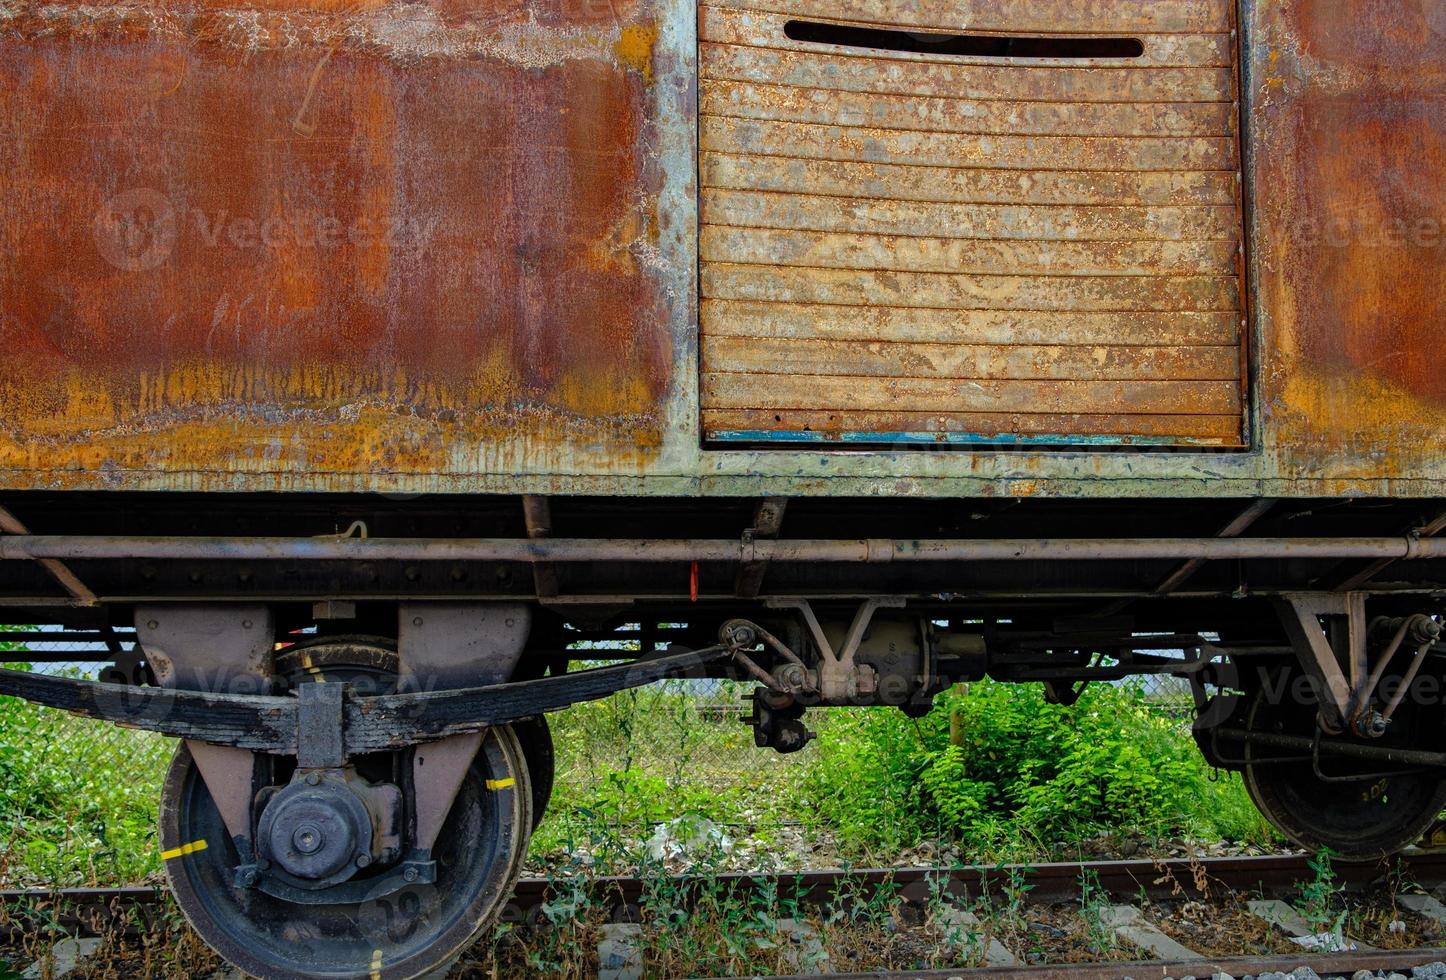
column 947, row 438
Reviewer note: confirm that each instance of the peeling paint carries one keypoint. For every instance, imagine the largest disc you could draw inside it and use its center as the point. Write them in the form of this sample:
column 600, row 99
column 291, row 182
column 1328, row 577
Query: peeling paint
column 186, row 302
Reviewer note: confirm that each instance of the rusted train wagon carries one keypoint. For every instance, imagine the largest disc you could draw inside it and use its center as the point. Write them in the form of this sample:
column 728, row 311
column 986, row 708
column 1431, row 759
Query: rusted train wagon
column 869, row 345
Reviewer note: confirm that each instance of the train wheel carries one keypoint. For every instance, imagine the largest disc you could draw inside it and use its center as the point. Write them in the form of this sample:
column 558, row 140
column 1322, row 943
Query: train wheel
column 536, row 738
column 1360, row 810
column 375, row 932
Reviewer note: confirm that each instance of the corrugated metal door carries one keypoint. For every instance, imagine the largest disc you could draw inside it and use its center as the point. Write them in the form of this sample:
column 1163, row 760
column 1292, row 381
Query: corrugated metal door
column 961, row 220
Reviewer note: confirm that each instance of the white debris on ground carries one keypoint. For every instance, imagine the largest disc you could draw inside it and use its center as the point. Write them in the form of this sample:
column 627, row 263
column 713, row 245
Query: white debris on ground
column 687, row 840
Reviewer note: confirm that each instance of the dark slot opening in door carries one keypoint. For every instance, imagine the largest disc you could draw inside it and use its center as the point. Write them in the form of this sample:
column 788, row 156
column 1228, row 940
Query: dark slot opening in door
column 963, row 45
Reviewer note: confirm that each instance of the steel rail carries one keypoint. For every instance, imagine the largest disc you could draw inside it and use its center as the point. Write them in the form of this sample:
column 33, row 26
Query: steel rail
column 1326, row 965
column 36, row 547
column 1052, row 882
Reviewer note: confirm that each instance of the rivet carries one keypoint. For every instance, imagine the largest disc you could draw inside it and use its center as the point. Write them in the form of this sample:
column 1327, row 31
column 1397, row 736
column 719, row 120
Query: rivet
column 363, row 860
column 313, row 779
column 152, row 624
column 416, row 620
column 510, row 621
column 245, row 624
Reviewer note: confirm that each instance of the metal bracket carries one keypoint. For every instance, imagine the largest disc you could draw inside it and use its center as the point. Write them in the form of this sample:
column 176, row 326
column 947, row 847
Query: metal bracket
column 537, row 513
column 448, row 646
column 444, row 646
column 1327, row 662
column 836, row 675
column 321, row 726
column 767, row 522
column 225, row 649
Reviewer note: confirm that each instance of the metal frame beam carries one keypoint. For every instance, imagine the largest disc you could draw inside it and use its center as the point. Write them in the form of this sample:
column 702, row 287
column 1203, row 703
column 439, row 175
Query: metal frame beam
column 64, row 577
column 655, row 550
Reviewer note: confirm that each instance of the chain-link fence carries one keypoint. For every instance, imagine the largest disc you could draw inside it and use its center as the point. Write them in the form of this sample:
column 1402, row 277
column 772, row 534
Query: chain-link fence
column 660, row 774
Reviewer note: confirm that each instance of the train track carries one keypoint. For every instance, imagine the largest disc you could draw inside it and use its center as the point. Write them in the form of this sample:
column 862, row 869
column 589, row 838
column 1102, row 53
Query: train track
column 1328, row 967
column 97, row 911
column 1155, row 879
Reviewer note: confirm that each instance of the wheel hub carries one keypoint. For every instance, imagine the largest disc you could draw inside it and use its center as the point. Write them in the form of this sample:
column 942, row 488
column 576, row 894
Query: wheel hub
column 317, row 831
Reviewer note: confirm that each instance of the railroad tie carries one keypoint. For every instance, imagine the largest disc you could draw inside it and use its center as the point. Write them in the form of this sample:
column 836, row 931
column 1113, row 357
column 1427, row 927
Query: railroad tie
column 1293, row 924
column 963, row 925
column 1130, row 927
column 618, row 954
column 805, row 951
column 65, row 958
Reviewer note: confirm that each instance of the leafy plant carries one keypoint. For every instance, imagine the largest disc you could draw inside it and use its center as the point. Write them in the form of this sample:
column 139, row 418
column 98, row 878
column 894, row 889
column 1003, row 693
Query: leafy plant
column 999, row 768
column 1094, row 907
column 1319, row 903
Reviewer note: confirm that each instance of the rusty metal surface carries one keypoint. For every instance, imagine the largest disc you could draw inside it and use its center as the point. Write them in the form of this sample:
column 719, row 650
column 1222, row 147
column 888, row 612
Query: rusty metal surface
column 856, row 259
column 505, row 353
column 333, row 236
column 1065, row 195
column 1349, row 128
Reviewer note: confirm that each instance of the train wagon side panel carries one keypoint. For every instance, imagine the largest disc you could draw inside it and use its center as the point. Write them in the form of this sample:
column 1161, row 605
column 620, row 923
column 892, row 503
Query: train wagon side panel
column 326, row 237
column 1349, row 148
column 455, row 246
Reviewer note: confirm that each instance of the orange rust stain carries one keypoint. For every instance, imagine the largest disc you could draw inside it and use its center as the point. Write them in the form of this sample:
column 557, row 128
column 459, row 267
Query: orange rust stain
column 635, row 48
column 1373, row 34
column 1371, row 244
column 373, row 441
column 1352, row 193
column 439, row 237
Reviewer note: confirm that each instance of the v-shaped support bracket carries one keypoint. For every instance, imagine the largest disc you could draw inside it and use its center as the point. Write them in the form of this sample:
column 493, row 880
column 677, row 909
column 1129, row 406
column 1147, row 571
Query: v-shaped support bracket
column 1334, row 655
column 837, row 680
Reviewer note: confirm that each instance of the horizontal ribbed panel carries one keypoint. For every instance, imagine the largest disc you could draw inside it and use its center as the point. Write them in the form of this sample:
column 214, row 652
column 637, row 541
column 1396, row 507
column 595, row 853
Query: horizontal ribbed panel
column 911, row 244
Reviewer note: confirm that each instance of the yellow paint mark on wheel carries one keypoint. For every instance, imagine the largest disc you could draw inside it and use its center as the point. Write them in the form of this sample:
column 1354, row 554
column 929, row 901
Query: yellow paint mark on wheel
column 501, row 783
column 183, row 850
column 377, row 965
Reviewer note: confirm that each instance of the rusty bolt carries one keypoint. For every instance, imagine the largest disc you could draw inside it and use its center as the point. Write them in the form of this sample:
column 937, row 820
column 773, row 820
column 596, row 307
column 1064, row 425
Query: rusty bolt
column 152, row 624
column 410, row 874
column 313, row 779
column 363, row 860
column 416, row 620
